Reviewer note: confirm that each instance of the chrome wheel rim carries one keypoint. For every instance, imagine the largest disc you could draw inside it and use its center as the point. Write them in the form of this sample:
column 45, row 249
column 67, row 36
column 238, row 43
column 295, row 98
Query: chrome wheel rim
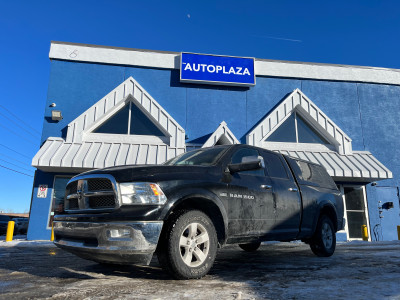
column 327, row 235
column 194, row 244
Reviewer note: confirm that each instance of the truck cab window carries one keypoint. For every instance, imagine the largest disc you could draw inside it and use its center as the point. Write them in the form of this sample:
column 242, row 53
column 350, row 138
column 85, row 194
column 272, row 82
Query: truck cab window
column 274, row 166
column 315, row 174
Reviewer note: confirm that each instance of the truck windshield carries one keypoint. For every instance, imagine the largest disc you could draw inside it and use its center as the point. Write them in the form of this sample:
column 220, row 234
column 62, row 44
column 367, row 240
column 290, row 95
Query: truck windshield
column 201, row 157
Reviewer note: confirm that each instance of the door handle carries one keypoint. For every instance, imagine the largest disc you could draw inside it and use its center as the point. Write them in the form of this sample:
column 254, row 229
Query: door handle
column 266, row 186
column 293, row 190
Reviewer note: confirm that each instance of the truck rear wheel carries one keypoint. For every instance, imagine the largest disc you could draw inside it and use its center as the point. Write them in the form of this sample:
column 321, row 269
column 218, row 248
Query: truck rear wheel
column 188, row 246
column 251, row 247
column 323, row 242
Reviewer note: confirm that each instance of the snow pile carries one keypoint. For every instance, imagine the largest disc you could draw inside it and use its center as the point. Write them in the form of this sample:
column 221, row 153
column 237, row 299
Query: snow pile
column 22, row 242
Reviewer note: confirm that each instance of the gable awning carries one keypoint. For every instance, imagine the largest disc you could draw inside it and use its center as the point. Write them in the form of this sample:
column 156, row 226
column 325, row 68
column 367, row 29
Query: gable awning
column 298, row 102
column 221, row 136
column 106, row 107
column 334, row 152
column 84, row 149
column 360, row 166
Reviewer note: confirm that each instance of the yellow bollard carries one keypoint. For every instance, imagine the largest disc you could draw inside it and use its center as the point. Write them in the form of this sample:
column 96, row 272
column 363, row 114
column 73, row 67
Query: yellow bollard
column 52, row 233
column 10, row 231
column 398, row 232
column 364, row 232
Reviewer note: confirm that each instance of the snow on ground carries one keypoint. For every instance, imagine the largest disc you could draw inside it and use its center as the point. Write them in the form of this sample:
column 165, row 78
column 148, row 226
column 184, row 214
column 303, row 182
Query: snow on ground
column 21, row 241
column 357, row 270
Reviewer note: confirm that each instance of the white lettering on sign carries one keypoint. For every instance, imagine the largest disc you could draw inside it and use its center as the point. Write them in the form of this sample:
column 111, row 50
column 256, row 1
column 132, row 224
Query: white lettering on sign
column 215, row 69
column 42, row 191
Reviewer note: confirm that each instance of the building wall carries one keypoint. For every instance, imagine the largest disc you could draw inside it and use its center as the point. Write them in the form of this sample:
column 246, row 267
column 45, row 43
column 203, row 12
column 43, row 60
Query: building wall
column 380, row 115
column 40, row 207
column 368, row 113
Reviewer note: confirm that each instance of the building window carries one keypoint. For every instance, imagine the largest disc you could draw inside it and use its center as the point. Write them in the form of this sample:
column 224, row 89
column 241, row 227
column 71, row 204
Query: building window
column 129, row 120
column 296, row 130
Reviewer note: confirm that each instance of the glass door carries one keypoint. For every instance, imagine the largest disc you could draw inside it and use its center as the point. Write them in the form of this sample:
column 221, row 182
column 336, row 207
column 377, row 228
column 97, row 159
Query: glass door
column 356, row 211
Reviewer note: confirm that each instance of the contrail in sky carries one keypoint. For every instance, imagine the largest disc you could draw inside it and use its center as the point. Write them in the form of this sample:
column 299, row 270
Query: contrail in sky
column 277, row 38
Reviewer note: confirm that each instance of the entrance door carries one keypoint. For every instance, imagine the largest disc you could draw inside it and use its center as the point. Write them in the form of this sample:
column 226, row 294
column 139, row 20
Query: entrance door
column 356, row 211
column 388, row 201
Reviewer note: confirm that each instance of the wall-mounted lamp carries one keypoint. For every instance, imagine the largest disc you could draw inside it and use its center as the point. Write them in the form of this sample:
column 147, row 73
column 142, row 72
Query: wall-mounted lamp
column 56, row 115
column 53, row 105
column 374, row 183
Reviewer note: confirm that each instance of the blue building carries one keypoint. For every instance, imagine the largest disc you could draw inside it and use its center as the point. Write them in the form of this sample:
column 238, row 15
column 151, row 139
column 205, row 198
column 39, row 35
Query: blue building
column 110, row 106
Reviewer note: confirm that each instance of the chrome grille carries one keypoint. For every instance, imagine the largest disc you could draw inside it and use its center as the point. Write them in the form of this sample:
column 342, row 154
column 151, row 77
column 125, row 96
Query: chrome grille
column 101, row 201
column 72, row 187
column 91, row 193
column 73, row 204
column 99, row 184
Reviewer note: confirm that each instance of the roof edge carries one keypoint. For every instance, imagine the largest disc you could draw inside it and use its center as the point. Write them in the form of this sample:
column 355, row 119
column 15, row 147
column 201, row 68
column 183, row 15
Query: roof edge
column 264, row 67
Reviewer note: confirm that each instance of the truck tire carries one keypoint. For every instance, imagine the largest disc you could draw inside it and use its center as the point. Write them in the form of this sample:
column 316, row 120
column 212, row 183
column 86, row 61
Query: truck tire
column 323, row 243
column 188, row 245
column 250, row 247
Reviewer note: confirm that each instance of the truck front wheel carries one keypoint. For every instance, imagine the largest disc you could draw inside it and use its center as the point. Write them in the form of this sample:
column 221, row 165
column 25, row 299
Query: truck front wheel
column 323, row 242
column 188, row 246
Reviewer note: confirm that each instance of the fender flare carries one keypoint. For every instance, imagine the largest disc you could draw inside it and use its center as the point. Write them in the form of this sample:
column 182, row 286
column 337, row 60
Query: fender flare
column 323, row 205
column 190, row 193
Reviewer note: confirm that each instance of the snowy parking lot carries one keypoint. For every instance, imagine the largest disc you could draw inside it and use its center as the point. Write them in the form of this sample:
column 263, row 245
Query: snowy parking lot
column 358, row 270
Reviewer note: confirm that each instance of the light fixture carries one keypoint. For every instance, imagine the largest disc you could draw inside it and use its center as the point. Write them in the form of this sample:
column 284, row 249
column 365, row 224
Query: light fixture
column 53, row 105
column 56, row 115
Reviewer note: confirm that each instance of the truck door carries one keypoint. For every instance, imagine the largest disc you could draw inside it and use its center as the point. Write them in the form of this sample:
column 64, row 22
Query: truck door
column 286, row 197
column 248, row 193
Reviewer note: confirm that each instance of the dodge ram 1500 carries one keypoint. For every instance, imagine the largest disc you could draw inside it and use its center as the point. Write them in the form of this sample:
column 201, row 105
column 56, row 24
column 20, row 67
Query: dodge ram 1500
column 196, row 202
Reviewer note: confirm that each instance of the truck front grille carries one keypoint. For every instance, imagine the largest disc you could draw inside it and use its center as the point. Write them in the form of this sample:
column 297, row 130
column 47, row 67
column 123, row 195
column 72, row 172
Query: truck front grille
column 73, row 204
column 91, row 193
column 99, row 184
column 101, row 201
column 72, row 187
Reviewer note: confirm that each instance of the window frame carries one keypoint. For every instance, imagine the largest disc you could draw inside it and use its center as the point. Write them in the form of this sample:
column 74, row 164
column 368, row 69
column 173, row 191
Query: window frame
column 366, row 210
column 89, row 136
column 296, row 128
column 283, row 164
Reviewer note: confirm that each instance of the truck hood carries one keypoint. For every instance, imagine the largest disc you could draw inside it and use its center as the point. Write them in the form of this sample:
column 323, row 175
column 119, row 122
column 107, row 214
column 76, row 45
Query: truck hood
column 153, row 173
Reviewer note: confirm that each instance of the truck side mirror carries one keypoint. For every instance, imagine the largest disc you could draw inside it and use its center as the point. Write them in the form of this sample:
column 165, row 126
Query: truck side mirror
column 245, row 166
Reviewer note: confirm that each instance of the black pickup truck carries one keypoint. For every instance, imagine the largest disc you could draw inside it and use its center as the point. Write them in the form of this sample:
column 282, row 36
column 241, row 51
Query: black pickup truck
column 194, row 203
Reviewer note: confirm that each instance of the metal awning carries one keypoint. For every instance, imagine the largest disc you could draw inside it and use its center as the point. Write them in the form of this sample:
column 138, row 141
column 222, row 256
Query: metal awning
column 359, row 166
column 58, row 155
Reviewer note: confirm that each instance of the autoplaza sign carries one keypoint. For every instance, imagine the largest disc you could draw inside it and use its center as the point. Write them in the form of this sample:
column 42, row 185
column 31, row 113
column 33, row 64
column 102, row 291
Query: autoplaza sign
column 215, row 69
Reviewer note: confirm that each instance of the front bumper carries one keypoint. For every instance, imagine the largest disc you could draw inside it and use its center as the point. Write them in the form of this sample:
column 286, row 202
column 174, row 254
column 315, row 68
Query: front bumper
column 114, row 242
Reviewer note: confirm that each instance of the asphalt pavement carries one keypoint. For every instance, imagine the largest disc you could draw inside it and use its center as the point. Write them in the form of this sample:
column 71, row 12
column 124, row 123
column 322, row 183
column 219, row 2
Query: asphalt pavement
column 357, row 270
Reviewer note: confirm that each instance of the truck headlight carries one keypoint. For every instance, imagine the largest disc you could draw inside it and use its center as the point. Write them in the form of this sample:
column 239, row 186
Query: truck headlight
column 141, row 193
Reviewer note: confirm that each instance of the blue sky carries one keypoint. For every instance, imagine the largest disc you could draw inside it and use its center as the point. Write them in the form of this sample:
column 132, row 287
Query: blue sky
column 339, row 32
